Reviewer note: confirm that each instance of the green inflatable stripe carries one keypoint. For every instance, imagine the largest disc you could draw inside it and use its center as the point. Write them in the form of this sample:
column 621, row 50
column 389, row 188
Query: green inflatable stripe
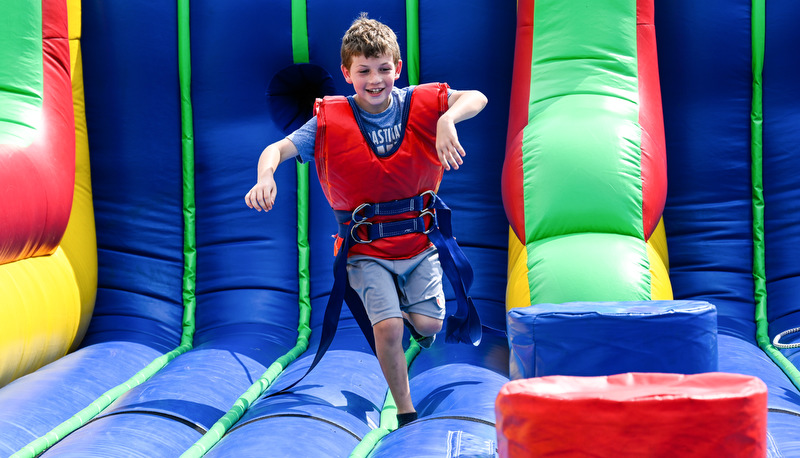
column 22, row 72
column 576, row 268
column 758, row 32
column 388, row 418
column 38, row 446
column 582, row 119
column 388, row 414
column 187, row 149
column 299, row 32
column 80, row 419
column 412, row 41
column 218, row 430
column 581, row 150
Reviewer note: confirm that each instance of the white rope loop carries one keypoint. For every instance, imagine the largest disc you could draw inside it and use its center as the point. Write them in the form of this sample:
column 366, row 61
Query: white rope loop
column 776, row 340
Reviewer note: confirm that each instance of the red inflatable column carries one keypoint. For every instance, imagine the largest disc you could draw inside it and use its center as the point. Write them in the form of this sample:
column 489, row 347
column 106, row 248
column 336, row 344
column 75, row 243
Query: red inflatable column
column 633, row 415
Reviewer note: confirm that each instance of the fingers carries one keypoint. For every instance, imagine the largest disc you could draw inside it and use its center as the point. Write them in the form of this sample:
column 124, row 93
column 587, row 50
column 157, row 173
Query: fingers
column 450, row 155
column 448, row 148
column 260, row 199
column 252, row 201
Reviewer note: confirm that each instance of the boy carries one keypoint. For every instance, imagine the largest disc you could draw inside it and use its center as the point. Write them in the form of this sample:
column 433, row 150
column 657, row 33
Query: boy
column 399, row 278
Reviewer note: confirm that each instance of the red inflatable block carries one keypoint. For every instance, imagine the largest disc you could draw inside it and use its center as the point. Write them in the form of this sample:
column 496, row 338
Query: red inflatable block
column 633, row 415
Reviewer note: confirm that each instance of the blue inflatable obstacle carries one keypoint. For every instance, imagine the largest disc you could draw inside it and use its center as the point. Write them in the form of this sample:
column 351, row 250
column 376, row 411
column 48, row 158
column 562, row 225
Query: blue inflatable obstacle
column 602, row 338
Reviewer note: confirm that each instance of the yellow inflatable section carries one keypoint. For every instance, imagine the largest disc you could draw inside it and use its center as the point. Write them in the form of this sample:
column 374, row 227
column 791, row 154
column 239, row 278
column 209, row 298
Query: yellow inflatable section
column 518, row 293
column 47, row 301
column 80, row 242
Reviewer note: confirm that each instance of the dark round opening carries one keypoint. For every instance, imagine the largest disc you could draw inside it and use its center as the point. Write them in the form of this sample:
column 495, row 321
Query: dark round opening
column 292, row 92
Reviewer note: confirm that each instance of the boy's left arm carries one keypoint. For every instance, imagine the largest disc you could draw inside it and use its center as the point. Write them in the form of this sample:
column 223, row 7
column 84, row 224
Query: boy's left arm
column 462, row 105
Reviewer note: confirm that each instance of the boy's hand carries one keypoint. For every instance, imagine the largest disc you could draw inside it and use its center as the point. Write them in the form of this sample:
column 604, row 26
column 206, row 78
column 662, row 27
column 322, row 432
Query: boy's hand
column 262, row 195
column 448, row 147
column 462, row 105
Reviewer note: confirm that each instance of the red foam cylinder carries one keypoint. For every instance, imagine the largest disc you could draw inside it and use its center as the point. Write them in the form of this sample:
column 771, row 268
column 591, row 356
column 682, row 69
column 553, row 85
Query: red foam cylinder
column 633, row 415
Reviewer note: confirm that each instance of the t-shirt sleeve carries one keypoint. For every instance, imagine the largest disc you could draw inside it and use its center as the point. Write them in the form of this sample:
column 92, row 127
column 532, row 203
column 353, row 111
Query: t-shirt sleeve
column 304, row 140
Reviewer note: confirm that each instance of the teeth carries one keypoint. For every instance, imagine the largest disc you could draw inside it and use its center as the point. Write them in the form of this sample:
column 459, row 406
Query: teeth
column 374, row 91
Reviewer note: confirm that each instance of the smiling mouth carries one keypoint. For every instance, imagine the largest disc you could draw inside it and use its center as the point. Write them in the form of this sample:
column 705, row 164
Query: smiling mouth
column 375, row 91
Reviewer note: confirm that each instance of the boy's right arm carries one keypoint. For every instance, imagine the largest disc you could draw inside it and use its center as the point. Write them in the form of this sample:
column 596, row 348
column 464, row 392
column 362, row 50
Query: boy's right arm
column 262, row 195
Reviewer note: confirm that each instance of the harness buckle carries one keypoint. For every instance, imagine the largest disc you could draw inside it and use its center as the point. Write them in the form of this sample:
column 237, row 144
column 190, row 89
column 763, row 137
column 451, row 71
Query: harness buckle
column 358, row 209
column 422, row 215
column 354, row 229
column 432, row 203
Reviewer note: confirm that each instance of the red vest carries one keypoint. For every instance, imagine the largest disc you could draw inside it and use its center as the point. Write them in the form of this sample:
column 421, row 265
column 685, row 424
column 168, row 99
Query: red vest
column 352, row 174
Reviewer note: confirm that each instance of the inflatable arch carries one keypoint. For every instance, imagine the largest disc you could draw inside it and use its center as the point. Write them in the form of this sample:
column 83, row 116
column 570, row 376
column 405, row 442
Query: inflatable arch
column 162, row 313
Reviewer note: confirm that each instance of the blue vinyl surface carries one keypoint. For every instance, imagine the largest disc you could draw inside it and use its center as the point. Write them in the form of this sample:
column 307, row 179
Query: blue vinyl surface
column 706, row 83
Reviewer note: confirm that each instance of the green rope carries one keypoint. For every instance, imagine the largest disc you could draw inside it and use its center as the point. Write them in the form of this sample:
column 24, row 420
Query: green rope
column 758, row 26
column 81, row 418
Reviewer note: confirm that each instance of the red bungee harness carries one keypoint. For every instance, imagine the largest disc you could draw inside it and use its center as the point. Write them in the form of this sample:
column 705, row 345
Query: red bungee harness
column 351, row 173
column 387, row 206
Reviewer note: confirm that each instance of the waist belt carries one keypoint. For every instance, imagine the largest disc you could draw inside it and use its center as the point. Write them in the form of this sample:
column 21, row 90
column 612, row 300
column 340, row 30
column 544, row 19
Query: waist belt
column 434, row 219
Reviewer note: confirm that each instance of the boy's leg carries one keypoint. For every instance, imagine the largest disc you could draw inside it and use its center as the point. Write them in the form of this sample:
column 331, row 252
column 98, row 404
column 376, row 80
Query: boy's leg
column 425, row 325
column 428, row 327
column 422, row 298
column 374, row 282
column 389, row 350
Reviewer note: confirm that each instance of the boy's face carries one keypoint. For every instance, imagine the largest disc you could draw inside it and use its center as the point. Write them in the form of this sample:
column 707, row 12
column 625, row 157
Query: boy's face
column 373, row 79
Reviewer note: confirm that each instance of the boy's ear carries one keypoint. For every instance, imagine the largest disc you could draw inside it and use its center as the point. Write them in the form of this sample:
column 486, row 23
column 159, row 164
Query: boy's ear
column 346, row 74
column 397, row 68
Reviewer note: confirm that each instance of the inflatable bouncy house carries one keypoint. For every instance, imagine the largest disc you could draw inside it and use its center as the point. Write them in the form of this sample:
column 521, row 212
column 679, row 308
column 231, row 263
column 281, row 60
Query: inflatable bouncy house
column 627, row 203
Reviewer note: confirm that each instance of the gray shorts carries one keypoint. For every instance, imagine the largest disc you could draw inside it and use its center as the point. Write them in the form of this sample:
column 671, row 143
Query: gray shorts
column 387, row 287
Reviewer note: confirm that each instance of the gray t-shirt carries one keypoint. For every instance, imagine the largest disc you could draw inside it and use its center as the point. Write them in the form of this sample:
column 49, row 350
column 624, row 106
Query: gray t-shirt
column 383, row 129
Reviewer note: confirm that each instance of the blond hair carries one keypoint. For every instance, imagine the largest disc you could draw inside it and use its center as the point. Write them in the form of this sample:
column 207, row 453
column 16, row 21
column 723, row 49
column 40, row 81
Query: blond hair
column 369, row 38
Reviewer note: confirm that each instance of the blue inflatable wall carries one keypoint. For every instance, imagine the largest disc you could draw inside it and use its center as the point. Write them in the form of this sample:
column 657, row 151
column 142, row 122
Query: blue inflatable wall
column 246, row 93
column 707, row 88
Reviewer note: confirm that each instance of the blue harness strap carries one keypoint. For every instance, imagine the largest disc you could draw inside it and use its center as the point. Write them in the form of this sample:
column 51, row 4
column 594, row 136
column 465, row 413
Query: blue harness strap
column 463, row 326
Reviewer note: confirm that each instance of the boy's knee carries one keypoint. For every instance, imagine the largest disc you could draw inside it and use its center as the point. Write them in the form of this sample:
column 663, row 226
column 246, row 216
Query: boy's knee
column 388, row 331
column 425, row 325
